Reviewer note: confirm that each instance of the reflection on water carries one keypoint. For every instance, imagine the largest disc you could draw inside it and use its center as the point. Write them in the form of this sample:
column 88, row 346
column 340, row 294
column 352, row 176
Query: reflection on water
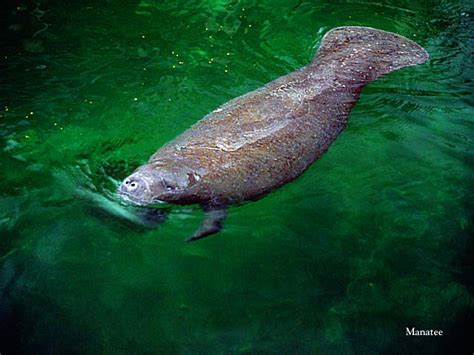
column 373, row 238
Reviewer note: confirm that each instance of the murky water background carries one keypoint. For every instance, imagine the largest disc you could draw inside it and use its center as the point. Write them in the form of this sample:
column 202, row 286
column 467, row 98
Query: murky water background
column 375, row 237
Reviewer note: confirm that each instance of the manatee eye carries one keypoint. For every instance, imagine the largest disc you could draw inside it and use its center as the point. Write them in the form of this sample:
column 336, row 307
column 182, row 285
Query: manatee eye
column 168, row 186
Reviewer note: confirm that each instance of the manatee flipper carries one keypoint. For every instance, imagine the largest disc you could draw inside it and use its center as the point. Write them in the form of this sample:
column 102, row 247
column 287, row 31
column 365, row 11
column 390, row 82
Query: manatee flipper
column 213, row 222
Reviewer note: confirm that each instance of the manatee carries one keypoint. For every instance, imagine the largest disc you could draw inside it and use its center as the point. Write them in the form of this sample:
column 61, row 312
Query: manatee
column 264, row 139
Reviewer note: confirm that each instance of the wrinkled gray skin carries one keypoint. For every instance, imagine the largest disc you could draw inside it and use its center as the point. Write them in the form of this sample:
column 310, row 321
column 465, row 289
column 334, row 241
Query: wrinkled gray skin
column 259, row 141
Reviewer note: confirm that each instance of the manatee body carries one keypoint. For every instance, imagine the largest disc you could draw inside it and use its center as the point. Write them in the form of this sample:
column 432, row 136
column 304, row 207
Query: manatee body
column 259, row 141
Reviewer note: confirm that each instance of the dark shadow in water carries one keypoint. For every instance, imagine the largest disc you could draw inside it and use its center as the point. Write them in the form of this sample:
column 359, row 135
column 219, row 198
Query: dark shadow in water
column 459, row 339
column 10, row 319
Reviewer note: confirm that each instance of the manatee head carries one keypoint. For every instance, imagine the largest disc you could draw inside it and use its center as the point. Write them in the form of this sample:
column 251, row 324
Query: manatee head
column 160, row 181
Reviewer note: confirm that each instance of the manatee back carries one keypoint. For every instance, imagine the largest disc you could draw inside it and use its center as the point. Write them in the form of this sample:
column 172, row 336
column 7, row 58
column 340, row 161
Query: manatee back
column 268, row 137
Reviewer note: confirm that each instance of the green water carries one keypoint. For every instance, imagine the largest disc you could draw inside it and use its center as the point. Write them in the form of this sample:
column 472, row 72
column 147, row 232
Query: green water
column 375, row 237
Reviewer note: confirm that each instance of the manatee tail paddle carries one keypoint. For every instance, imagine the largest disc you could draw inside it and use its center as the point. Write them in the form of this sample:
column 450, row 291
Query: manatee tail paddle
column 368, row 53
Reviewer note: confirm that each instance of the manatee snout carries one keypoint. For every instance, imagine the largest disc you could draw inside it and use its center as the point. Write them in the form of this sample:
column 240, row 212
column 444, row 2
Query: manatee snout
column 136, row 188
column 156, row 182
column 134, row 184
